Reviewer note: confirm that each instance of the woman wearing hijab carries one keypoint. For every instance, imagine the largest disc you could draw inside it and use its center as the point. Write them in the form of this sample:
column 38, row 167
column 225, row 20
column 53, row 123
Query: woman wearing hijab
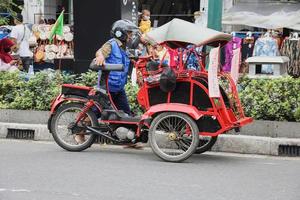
column 7, row 63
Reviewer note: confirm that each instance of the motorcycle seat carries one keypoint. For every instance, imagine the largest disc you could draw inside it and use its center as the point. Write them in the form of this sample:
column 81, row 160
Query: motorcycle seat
column 120, row 115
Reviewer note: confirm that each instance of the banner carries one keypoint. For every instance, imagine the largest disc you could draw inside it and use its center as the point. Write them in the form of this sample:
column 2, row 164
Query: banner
column 235, row 64
column 213, row 82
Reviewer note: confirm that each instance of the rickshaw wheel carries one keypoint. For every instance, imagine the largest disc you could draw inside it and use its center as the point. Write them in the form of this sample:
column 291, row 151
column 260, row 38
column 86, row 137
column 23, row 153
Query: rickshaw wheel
column 205, row 144
column 173, row 136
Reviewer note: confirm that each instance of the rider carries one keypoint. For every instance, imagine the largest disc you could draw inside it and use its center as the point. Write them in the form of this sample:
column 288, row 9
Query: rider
column 114, row 52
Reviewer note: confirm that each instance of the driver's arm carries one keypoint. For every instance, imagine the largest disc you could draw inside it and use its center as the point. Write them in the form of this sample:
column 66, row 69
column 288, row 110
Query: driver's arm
column 103, row 53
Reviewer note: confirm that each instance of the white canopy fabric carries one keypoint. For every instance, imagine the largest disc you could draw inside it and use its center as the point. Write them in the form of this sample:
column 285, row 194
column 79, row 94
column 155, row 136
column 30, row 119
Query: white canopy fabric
column 179, row 30
column 264, row 15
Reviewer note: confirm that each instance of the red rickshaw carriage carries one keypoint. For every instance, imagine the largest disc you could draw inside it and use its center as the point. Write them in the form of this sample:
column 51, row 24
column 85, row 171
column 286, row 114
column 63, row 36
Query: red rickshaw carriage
column 178, row 122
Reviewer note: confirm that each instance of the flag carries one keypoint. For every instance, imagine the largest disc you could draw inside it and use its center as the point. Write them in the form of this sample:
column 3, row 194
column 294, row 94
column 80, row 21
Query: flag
column 58, row 27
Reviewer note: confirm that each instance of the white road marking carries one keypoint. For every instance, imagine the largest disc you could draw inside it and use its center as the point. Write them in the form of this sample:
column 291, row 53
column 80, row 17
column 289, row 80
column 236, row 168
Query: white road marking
column 14, row 190
column 20, row 190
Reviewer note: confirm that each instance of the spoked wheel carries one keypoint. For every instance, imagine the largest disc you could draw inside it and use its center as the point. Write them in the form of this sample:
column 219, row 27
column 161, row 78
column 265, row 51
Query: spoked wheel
column 173, row 136
column 64, row 132
column 205, row 143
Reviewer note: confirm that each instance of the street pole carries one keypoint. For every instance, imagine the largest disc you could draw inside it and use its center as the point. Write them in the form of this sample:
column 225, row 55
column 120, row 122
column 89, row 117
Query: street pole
column 214, row 21
column 215, row 9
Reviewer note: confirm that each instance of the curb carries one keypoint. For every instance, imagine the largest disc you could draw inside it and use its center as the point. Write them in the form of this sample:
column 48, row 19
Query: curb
column 41, row 132
column 243, row 144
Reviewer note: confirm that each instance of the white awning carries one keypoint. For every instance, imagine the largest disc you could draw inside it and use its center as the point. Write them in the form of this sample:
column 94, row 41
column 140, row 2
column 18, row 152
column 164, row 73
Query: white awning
column 264, row 15
column 179, row 30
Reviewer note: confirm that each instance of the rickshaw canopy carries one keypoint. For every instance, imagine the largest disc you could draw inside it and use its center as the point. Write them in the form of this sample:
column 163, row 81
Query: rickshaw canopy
column 179, row 33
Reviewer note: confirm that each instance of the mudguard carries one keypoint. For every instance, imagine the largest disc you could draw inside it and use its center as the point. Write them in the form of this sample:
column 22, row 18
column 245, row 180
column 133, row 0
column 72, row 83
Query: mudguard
column 61, row 99
column 173, row 107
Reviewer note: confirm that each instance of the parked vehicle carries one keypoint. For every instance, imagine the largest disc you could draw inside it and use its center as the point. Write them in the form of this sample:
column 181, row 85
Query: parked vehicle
column 179, row 120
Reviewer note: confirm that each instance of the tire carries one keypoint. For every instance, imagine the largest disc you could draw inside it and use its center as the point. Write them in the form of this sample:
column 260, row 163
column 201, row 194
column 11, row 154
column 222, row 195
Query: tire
column 176, row 132
column 56, row 134
column 203, row 147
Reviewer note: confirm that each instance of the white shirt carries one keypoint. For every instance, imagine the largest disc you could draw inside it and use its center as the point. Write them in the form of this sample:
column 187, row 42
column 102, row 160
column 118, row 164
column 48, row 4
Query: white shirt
column 18, row 33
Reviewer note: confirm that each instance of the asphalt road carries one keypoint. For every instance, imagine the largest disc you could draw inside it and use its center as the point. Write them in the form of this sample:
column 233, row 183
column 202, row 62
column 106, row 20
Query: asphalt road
column 43, row 171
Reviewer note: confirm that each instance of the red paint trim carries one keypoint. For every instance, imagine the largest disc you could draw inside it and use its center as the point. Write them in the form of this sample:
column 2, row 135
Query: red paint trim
column 191, row 93
column 87, row 106
column 118, row 122
column 77, row 87
column 60, row 99
column 173, row 107
column 169, row 97
column 108, row 93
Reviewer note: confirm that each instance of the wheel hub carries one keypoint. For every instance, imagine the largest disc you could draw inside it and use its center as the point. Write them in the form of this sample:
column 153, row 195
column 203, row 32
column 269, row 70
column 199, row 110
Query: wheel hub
column 172, row 136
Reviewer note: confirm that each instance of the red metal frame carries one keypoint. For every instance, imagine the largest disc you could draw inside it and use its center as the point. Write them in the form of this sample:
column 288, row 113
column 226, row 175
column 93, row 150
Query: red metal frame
column 226, row 117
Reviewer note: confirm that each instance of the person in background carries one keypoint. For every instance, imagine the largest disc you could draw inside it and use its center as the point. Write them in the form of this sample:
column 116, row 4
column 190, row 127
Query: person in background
column 145, row 27
column 20, row 35
column 42, row 21
column 7, row 63
column 200, row 18
column 145, row 23
column 161, row 54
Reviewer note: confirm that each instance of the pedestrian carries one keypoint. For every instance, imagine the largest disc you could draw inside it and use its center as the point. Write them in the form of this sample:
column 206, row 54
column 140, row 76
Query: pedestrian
column 20, row 35
column 7, row 63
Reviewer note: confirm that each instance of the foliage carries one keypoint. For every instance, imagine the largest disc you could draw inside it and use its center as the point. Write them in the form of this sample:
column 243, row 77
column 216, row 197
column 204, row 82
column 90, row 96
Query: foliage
column 271, row 99
column 263, row 99
column 131, row 92
column 36, row 93
column 297, row 114
column 88, row 79
column 7, row 6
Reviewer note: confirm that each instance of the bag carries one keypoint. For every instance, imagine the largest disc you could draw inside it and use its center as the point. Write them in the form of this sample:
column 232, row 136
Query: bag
column 167, row 82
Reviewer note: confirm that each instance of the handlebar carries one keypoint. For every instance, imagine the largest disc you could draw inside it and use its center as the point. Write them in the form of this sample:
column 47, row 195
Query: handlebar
column 106, row 67
column 113, row 67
